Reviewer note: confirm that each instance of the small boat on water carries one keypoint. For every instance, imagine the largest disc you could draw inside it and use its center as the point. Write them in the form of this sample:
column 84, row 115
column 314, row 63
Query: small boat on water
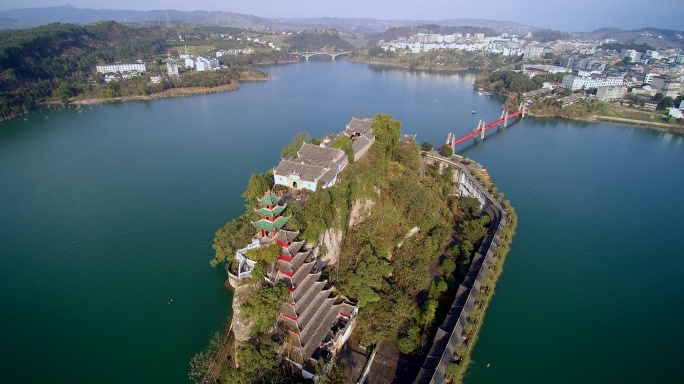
column 474, row 112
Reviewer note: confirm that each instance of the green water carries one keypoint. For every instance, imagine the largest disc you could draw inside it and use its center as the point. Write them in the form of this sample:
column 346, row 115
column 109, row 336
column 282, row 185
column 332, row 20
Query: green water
column 108, row 214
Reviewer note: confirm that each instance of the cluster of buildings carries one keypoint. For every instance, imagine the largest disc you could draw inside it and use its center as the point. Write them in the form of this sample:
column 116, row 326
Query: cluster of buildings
column 118, row 70
column 121, row 67
column 317, row 321
column 613, row 74
column 505, row 45
column 199, row 63
column 322, row 164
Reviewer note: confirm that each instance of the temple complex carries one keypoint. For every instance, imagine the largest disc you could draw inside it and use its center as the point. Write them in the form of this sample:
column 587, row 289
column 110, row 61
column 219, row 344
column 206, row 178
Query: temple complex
column 321, row 164
column 316, row 321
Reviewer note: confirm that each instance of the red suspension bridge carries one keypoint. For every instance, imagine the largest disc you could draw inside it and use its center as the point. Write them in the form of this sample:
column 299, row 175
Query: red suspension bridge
column 482, row 128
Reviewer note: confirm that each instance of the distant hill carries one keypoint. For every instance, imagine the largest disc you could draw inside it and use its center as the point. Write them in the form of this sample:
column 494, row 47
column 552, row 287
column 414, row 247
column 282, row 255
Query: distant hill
column 28, row 17
column 20, row 18
column 655, row 37
column 369, row 25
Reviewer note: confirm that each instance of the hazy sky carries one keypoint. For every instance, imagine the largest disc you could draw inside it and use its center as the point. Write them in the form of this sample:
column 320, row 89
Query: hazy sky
column 578, row 15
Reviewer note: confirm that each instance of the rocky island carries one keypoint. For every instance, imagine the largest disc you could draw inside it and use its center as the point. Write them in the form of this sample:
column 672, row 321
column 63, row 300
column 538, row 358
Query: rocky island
column 362, row 256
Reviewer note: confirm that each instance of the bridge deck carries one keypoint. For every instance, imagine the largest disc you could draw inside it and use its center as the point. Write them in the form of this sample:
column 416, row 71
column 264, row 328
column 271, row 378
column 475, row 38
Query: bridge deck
column 486, row 128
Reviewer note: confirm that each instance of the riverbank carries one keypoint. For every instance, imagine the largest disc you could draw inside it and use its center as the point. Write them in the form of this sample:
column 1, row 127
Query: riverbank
column 404, row 66
column 663, row 127
column 167, row 93
column 279, row 62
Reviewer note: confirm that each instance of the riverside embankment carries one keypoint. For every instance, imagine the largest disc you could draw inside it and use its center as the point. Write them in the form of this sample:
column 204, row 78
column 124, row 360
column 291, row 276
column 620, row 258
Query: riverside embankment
column 452, row 336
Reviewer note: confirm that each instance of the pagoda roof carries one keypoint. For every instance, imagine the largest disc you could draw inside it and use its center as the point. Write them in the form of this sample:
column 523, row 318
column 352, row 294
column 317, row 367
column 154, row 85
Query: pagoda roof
column 269, row 199
column 268, row 225
column 271, row 212
column 286, row 236
column 292, row 249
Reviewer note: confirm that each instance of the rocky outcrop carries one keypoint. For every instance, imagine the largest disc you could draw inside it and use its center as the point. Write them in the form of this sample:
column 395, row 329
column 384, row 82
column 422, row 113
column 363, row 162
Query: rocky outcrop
column 330, row 243
column 240, row 325
column 360, row 211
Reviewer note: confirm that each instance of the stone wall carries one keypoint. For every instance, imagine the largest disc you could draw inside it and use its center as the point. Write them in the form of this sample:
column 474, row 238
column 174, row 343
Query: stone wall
column 450, row 333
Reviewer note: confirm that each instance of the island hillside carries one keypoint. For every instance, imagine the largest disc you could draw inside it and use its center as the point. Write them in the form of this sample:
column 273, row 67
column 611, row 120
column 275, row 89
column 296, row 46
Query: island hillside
column 396, row 239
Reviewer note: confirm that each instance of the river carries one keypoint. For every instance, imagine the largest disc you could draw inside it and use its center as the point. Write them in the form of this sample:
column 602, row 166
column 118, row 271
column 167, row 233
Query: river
column 107, row 215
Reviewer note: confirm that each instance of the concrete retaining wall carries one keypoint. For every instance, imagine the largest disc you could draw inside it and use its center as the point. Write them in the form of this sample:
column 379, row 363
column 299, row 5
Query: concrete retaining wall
column 450, row 333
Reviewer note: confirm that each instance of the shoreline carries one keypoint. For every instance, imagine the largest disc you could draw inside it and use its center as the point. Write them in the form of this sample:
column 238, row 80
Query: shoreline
column 662, row 127
column 397, row 65
column 165, row 94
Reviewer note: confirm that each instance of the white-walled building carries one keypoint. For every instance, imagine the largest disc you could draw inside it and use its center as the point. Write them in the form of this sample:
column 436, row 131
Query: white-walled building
column 190, row 63
column 533, row 52
column 119, row 67
column 667, row 87
column 633, row 55
column 575, row 83
column 610, row 93
column 203, row 64
column 313, row 164
column 172, row 68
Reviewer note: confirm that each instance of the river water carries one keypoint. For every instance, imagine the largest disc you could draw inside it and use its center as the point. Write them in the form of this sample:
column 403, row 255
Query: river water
column 107, row 215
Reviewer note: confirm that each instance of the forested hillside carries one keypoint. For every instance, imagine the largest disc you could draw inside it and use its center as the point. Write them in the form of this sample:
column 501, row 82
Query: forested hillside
column 38, row 63
column 402, row 261
column 314, row 41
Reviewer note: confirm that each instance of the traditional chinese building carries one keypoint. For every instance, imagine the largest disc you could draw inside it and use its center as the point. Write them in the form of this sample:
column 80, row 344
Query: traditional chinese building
column 317, row 321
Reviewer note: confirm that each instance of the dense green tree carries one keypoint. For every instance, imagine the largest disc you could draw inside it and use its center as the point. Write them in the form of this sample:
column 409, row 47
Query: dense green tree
column 409, row 341
column 257, row 186
column 316, row 40
column 437, row 287
column 291, row 149
column 446, row 150
column 426, row 146
column 448, row 267
column 473, row 230
column 343, row 142
column 408, row 156
column 386, row 318
column 469, row 207
column 267, row 254
column 263, row 306
column 453, row 372
column 666, row 103
column 257, row 364
column 387, row 131
column 337, row 375
column 264, row 256
column 366, row 280
column 236, row 234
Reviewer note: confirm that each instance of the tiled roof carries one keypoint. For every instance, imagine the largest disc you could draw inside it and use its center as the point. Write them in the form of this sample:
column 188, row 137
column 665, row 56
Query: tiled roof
column 271, row 225
column 271, row 212
column 317, row 155
column 305, row 172
column 269, row 199
column 362, row 142
column 359, row 125
column 286, row 236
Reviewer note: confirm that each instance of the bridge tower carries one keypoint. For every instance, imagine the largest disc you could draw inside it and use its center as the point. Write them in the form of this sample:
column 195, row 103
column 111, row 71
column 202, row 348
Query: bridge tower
column 522, row 108
column 481, row 128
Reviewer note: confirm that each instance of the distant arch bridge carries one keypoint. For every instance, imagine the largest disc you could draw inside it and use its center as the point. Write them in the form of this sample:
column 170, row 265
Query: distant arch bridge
column 332, row 54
